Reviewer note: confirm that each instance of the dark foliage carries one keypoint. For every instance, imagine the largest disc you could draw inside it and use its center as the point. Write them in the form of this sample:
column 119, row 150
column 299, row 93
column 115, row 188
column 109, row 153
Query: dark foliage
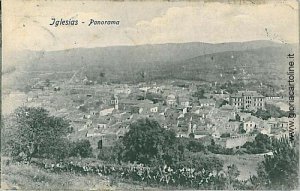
column 241, row 129
column 148, row 143
column 220, row 103
column 196, row 146
column 34, row 133
column 154, row 97
column 82, row 149
column 280, row 170
column 261, row 144
column 270, row 111
column 199, row 94
column 218, row 149
column 225, row 135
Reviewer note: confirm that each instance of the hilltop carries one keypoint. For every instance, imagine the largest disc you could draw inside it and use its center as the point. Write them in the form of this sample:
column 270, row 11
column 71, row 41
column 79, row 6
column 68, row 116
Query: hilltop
column 259, row 60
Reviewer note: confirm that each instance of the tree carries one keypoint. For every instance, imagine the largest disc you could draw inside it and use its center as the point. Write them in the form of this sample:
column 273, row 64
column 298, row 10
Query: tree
column 82, row 148
column 212, row 142
column 102, row 74
column 47, row 82
column 232, row 174
column 275, row 111
column 225, row 135
column 241, row 129
column 195, row 146
column 83, row 108
column 270, row 111
column 259, row 182
column 220, row 103
column 100, row 144
column 148, row 143
column 34, row 133
column 263, row 114
column 199, row 94
column 154, row 97
column 261, row 144
column 281, row 169
column 237, row 117
column 192, row 135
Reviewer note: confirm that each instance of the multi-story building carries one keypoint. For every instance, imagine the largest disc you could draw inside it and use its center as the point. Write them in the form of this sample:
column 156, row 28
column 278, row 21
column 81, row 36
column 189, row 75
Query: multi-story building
column 248, row 100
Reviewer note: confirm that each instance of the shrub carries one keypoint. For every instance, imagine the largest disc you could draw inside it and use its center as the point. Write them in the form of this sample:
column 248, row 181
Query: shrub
column 280, row 170
column 107, row 154
column 34, row 133
column 147, row 142
column 261, row 144
column 196, row 146
column 81, row 148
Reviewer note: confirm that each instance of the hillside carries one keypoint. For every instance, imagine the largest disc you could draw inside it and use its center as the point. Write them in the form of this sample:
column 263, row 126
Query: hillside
column 261, row 60
column 123, row 55
column 262, row 64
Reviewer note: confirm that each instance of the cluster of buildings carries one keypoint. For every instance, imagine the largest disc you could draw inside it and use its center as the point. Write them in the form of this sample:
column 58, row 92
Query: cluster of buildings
column 105, row 112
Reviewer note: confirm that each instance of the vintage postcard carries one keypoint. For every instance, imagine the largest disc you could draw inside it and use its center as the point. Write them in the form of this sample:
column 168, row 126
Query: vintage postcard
column 150, row 95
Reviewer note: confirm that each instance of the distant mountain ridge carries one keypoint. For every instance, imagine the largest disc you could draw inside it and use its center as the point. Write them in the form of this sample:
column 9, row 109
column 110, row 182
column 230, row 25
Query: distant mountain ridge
column 190, row 61
column 171, row 52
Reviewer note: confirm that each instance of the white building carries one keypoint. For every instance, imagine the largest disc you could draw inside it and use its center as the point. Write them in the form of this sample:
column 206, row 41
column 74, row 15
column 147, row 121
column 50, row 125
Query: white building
column 154, row 109
column 105, row 112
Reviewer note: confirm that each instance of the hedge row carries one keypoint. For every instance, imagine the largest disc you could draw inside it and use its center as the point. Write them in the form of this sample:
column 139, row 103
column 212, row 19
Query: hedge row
column 162, row 175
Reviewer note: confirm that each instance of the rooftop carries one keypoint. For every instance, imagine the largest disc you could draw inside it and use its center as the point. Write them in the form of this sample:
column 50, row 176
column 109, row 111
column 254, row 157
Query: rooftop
column 247, row 93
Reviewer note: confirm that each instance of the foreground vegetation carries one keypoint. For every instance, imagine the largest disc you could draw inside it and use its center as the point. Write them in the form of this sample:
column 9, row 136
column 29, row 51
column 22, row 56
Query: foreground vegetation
column 20, row 176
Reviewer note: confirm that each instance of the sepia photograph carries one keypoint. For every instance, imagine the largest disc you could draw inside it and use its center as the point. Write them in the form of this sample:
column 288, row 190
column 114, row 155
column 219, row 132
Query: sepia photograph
column 150, row 95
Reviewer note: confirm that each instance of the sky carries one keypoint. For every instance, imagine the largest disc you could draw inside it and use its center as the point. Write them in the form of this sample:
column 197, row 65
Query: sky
column 26, row 23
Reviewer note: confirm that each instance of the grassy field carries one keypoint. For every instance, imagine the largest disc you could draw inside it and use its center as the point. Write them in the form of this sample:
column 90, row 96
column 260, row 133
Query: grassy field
column 246, row 163
column 27, row 177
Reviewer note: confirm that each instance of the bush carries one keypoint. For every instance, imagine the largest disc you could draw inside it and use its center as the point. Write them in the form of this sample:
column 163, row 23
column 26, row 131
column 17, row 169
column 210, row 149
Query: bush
column 81, row 148
column 198, row 171
column 196, row 146
column 218, row 149
column 154, row 97
column 148, row 143
column 280, row 170
column 107, row 154
column 270, row 111
column 199, row 94
column 32, row 132
column 261, row 144
column 225, row 135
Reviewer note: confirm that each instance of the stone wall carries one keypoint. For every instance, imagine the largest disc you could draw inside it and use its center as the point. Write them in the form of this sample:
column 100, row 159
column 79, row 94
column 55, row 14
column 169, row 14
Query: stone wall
column 238, row 141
